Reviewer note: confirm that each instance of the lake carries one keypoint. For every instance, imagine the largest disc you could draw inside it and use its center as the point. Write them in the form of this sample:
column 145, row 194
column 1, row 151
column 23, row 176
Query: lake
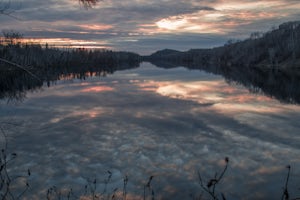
column 150, row 121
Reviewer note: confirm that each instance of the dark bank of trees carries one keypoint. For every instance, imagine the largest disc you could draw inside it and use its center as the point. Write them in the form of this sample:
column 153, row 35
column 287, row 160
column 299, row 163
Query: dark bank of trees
column 278, row 48
column 282, row 85
column 38, row 57
column 28, row 66
column 265, row 63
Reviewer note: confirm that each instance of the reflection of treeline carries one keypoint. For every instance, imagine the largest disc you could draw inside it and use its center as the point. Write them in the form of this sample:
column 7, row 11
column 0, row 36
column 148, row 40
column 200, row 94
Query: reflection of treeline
column 265, row 63
column 15, row 83
column 280, row 84
column 279, row 48
column 50, row 64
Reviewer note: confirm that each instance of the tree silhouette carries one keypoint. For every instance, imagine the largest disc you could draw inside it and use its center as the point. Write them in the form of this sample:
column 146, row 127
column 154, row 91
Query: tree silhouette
column 5, row 6
column 11, row 36
column 88, row 3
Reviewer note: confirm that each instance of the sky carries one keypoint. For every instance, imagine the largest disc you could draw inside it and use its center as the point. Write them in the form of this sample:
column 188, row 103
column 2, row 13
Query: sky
column 145, row 26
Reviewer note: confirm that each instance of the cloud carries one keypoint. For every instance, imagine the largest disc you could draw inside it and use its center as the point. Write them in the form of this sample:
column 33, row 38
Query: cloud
column 163, row 22
column 96, row 27
column 226, row 17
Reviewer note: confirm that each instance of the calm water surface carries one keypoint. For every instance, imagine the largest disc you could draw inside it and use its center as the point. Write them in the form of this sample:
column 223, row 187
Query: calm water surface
column 169, row 123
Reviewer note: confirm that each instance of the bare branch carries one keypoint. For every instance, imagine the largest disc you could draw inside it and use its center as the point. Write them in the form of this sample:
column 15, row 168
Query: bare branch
column 5, row 9
column 285, row 195
column 21, row 67
column 210, row 187
column 88, row 3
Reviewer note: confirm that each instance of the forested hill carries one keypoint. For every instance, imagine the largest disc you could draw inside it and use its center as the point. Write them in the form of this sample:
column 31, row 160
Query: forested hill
column 278, row 48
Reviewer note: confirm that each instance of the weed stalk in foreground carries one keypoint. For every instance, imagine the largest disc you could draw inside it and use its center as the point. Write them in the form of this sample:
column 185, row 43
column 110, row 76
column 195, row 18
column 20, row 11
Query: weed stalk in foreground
column 150, row 188
column 6, row 180
column 210, row 187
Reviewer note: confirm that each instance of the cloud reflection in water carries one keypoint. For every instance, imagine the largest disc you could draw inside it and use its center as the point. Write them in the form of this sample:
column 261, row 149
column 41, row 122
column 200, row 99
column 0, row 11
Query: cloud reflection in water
column 151, row 121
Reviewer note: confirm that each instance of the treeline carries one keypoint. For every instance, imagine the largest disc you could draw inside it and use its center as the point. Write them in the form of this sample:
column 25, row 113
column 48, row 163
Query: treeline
column 278, row 48
column 26, row 67
column 36, row 57
column 264, row 63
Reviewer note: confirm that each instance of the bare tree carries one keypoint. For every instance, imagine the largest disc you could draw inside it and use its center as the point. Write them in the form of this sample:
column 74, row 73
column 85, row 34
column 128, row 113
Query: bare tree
column 12, row 37
column 88, row 3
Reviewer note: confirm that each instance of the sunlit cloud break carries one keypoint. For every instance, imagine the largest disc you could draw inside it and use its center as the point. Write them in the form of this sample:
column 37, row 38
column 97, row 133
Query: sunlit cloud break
column 127, row 25
column 225, row 18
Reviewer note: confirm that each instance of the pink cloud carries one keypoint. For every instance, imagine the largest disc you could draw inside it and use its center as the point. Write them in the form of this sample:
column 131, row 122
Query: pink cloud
column 98, row 89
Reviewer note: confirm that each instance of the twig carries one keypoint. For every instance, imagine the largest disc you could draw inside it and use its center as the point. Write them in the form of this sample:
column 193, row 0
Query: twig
column 210, row 187
column 5, row 178
column 21, row 67
column 148, row 185
column 285, row 194
column 124, row 187
column 106, row 181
